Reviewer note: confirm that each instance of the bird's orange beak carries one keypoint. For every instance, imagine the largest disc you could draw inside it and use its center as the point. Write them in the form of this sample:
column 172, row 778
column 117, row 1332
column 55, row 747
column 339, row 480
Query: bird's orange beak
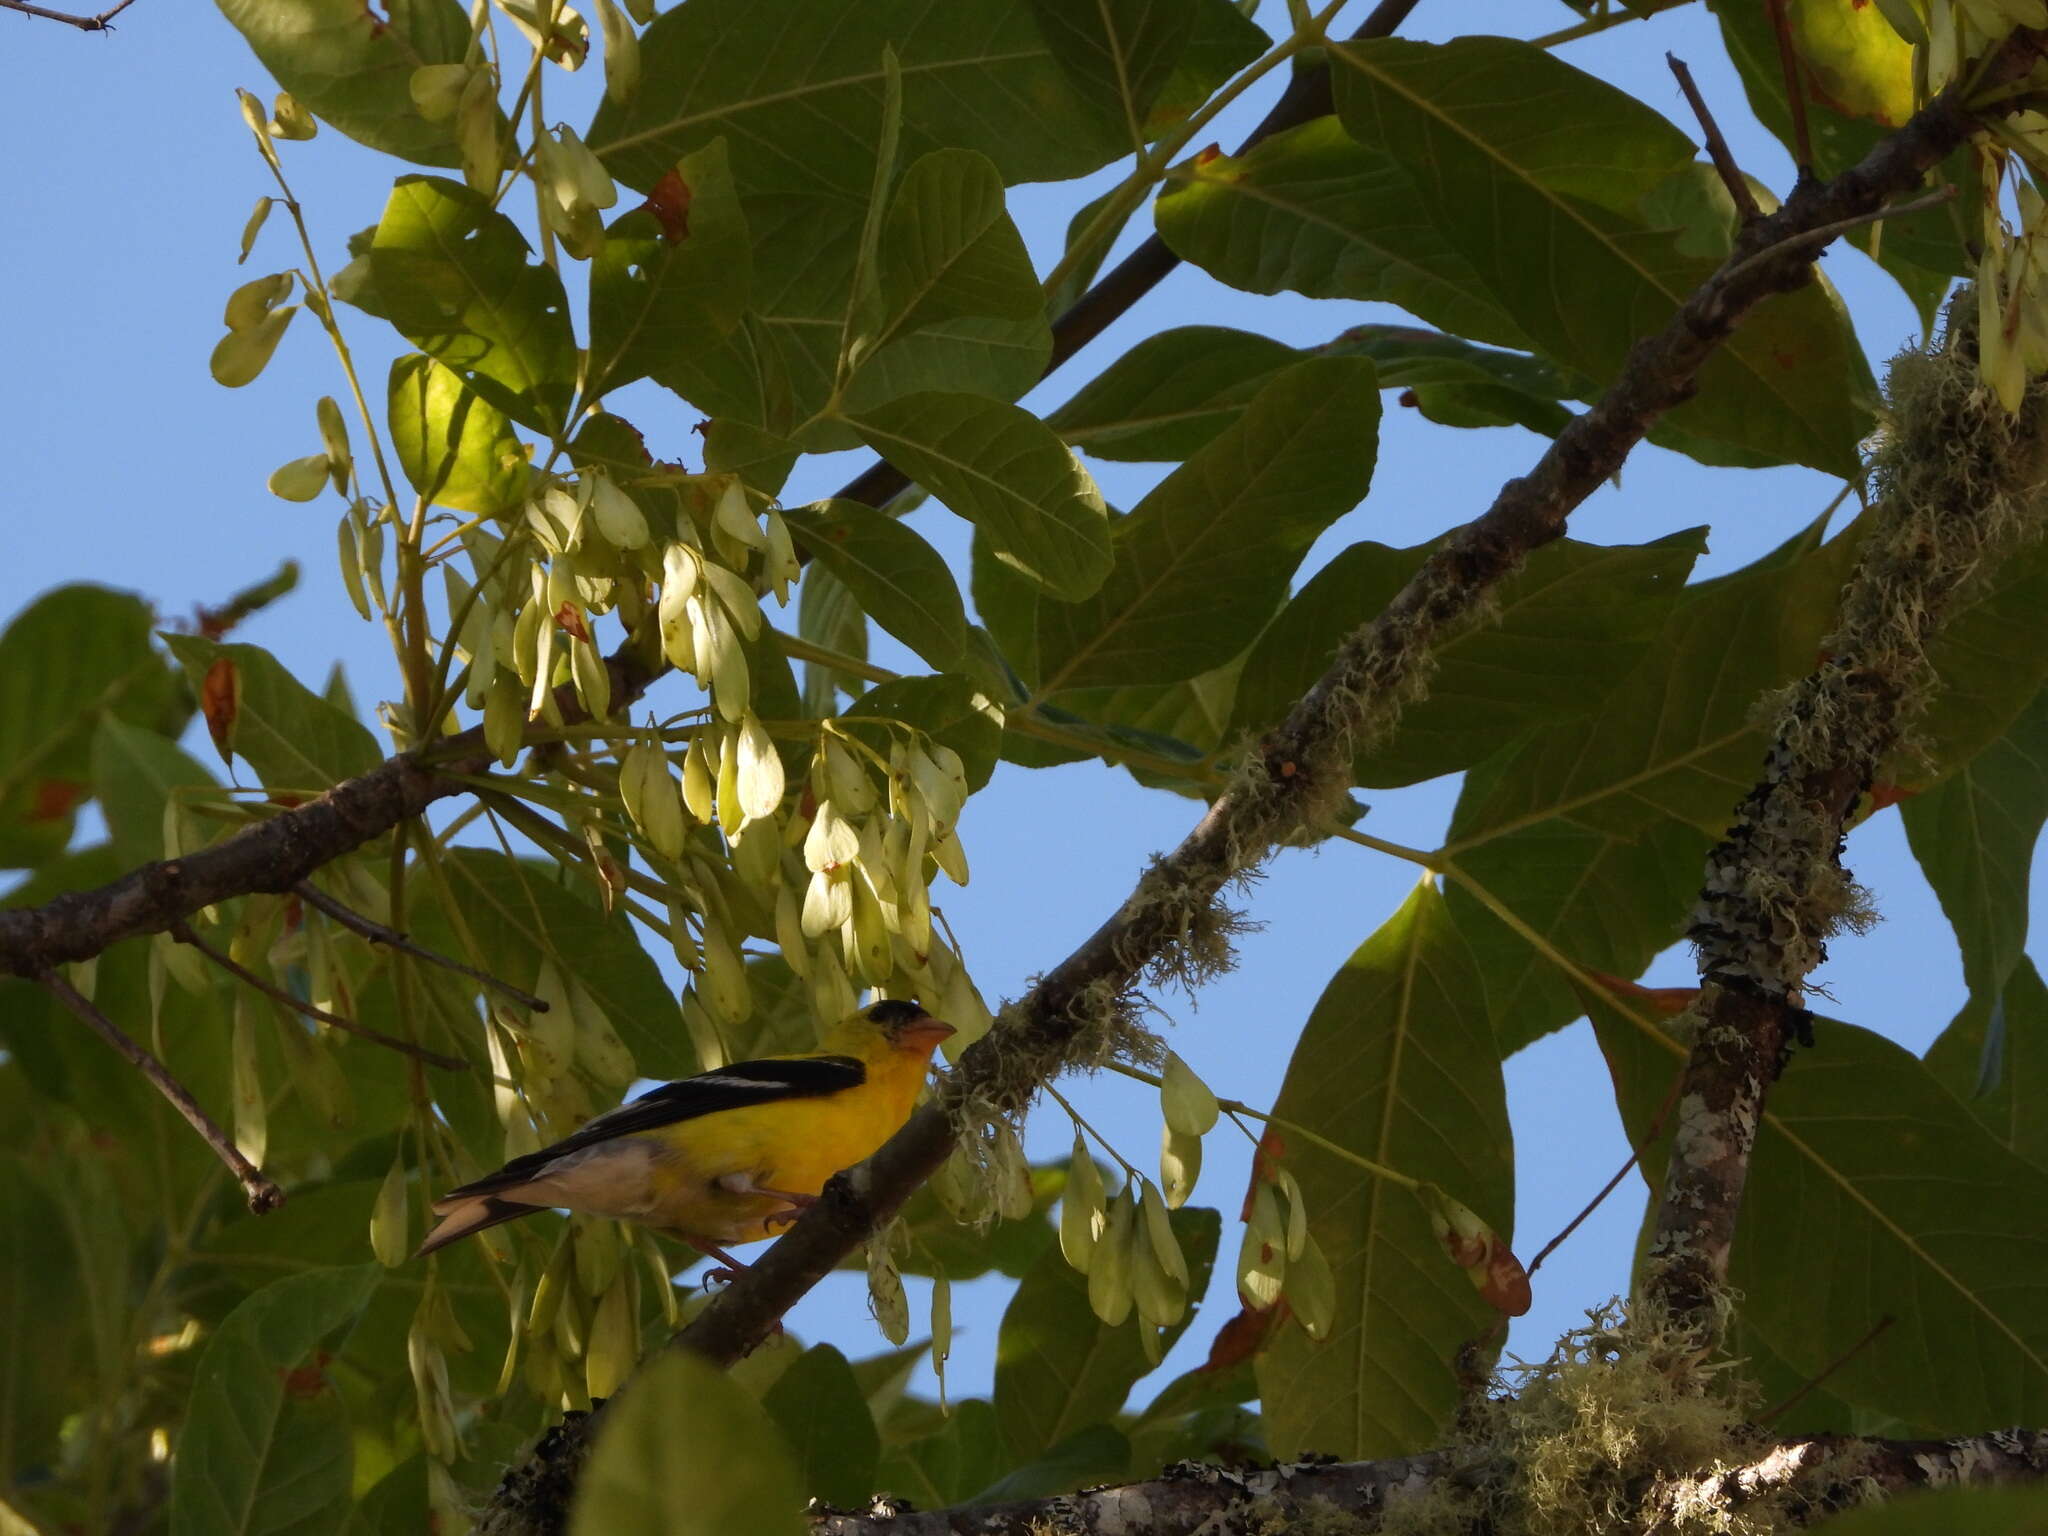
column 925, row 1034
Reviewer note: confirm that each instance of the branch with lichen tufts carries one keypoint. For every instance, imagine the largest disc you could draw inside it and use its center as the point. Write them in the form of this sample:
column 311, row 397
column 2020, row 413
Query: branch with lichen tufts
column 1791, row 1483
column 1294, row 781
column 1959, row 481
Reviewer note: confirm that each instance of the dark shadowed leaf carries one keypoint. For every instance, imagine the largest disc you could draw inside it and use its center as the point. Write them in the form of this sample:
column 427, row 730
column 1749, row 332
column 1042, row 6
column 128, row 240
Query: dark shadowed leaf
column 267, row 1448
column 1204, row 559
column 1397, row 1063
column 824, row 1419
column 1994, row 1057
column 899, row 579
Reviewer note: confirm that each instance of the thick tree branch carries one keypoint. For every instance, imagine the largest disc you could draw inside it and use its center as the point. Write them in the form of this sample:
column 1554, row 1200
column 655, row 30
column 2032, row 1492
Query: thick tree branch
column 1811, row 1476
column 1300, row 769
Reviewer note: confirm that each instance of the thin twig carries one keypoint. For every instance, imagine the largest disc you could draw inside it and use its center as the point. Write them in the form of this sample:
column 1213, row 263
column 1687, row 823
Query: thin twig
column 1635, row 1156
column 263, row 1195
column 83, row 23
column 391, row 938
column 1795, row 90
column 1839, row 1361
column 183, row 933
column 1717, row 147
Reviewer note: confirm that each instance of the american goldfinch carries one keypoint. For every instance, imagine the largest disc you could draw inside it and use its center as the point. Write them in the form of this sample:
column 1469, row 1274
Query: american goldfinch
column 726, row 1156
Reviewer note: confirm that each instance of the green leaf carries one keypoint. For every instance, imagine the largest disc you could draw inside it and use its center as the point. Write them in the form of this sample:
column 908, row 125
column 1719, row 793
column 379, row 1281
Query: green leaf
column 520, row 914
column 948, row 707
column 1974, row 836
column 688, row 1452
column 455, row 277
column 979, row 78
column 1397, row 1064
column 1535, row 171
column 1085, row 1459
column 72, row 657
column 134, row 772
column 1565, row 630
column 259, row 1451
column 1593, row 828
column 1313, row 211
column 293, row 738
column 1204, row 559
column 1981, row 1511
column 653, row 296
column 949, row 250
column 1005, row 471
column 965, row 1455
column 457, row 450
column 40, row 1285
column 1990, row 668
column 1118, row 51
column 1059, row 1368
column 1872, row 1186
column 899, row 579
column 1176, row 390
column 355, row 75
column 1994, row 1057
column 824, row 1419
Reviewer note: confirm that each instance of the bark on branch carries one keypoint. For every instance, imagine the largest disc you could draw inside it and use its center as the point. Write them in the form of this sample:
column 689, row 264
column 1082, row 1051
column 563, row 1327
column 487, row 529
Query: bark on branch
column 1301, row 769
column 1812, row 1476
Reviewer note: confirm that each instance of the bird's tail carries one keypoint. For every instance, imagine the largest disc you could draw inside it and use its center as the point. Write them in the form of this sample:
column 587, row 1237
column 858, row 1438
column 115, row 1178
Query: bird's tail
column 473, row 1216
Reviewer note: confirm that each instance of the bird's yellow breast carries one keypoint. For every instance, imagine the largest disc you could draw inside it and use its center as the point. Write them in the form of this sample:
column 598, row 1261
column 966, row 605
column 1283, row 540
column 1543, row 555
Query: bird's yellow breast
column 794, row 1145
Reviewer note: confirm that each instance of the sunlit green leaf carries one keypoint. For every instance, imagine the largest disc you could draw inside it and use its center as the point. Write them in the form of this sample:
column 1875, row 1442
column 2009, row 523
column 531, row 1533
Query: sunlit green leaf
column 293, row 738
column 355, row 76
column 456, row 448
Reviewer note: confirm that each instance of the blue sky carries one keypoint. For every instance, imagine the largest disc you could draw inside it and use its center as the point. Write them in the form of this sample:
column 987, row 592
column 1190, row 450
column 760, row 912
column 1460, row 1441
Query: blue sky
column 133, row 174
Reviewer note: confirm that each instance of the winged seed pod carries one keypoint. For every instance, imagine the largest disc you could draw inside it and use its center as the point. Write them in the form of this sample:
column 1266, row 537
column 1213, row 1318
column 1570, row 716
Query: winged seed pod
column 595, row 1242
column 1180, row 1165
column 593, row 678
column 252, row 1110
column 734, row 516
column 1159, row 1298
column 724, row 980
column 962, row 1007
column 1185, row 1099
column 621, row 53
column 789, row 932
column 1262, row 1256
column 436, row 90
column 700, row 775
column 886, row 1300
column 653, row 798
column 620, row 522
column 1014, row 1198
column 850, row 787
column 1297, row 1215
column 942, row 1330
column 1312, row 1291
column 832, row 995
column 300, row 479
column 779, row 565
column 1110, row 1294
column 599, row 1050
column 759, row 777
column 1081, row 1208
column 389, row 1237
column 1159, row 1229
column 869, row 953
column 430, row 1386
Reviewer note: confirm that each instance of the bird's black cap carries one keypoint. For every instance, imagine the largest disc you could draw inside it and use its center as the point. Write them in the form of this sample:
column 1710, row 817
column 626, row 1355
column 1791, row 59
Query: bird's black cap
column 894, row 1013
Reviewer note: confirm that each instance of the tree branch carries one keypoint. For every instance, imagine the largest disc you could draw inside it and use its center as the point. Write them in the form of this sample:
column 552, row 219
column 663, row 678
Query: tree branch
column 97, row 23
column 1300, row 767
column 264, row 1196
column 391, row 938
column 1811, row 1477
column 182, row 932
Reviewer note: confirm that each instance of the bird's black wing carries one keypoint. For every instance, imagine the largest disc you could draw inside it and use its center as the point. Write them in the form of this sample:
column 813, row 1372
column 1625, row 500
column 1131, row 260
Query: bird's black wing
column 738, row 1086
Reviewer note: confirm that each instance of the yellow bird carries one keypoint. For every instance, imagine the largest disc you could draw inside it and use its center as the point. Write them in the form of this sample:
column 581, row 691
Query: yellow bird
column 726, row 1156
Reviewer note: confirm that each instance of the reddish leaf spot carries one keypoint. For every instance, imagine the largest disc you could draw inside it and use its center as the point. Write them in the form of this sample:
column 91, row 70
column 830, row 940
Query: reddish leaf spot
column 1407, row 398
column 669, row 202
column 1506, row 1285
column 309, row 1380
column 569, row 620
column 286, row 799
column 54, row 799
column 1241, row 1338
column 1665, row 1002
column 1883, row 796
column 220, row 701
column 1210, row 152
column 1786, row 360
